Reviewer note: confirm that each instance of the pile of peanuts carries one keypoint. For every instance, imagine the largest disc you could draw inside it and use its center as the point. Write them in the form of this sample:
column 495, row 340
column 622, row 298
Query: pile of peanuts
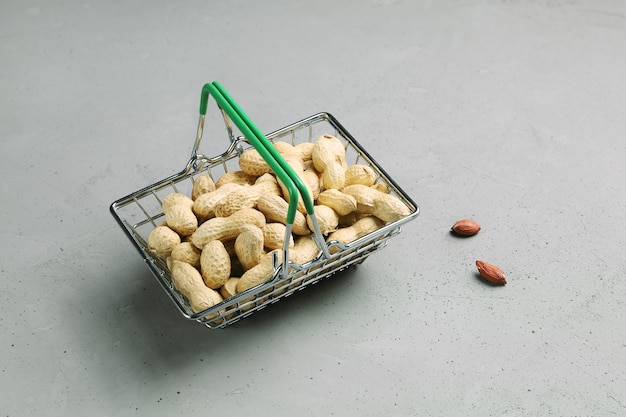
column 222, row 239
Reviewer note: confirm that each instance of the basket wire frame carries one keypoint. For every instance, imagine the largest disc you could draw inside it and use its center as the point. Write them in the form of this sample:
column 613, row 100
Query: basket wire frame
column 140, row 212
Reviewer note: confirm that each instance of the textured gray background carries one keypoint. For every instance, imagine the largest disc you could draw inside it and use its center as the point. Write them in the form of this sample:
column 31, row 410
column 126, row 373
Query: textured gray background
column 512, row 114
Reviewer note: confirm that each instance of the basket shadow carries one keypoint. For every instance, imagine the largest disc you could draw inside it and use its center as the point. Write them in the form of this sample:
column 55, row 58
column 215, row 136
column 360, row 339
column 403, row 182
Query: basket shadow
column 296, row 308
column 157, row 330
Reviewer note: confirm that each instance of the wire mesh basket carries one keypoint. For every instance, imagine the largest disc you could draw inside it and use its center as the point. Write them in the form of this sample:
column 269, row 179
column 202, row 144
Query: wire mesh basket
column 140, row 212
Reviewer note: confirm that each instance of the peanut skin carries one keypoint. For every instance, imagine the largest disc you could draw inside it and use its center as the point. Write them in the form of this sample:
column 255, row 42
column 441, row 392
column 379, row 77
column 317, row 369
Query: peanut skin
column 491, row 273
column 465, row 227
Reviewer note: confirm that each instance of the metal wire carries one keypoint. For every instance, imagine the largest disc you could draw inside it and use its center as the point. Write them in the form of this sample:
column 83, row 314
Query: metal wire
column 135, row 216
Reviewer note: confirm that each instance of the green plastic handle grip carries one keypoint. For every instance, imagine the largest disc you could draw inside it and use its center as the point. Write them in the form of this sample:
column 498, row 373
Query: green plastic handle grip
column 267, row 151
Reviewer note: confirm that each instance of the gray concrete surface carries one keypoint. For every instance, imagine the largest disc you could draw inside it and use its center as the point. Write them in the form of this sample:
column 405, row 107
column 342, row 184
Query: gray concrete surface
column 511, row 113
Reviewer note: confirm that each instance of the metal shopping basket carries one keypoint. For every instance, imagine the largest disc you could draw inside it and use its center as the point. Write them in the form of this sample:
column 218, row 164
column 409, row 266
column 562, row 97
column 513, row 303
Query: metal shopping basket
column 140, row 212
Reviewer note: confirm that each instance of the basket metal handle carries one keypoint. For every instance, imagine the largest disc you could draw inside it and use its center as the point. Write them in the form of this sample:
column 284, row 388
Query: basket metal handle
column 274, row 159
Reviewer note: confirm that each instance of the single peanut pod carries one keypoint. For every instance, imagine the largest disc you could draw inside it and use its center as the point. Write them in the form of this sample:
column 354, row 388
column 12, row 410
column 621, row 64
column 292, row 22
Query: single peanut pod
column 249, row 246
column 202, row 184
column 229, row 288
column 246, row 197
column 274, row 236
column 327, row 219
column 187, row 252
column 386, row 207
column 181, row 219
column 259, row 273
column 174, row 199
column 339, row 201
column 224, row 228
column 204, row 206
column 188, row 281
column 275, row 209
column 304, row 250
column 252, row 163
column 329, row 158
column 162, row 240
column 359, row 229
column 214, row 264
column 360, row 174
column 236, row 177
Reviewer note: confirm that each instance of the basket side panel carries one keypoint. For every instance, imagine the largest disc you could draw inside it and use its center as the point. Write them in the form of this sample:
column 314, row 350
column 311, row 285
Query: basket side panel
column 141, row 211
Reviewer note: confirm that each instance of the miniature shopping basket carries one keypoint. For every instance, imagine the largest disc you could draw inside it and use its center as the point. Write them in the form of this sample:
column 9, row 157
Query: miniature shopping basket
column 140, row 212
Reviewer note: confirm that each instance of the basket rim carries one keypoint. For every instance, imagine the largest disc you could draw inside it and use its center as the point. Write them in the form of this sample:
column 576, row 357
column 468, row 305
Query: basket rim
column 233, row 151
